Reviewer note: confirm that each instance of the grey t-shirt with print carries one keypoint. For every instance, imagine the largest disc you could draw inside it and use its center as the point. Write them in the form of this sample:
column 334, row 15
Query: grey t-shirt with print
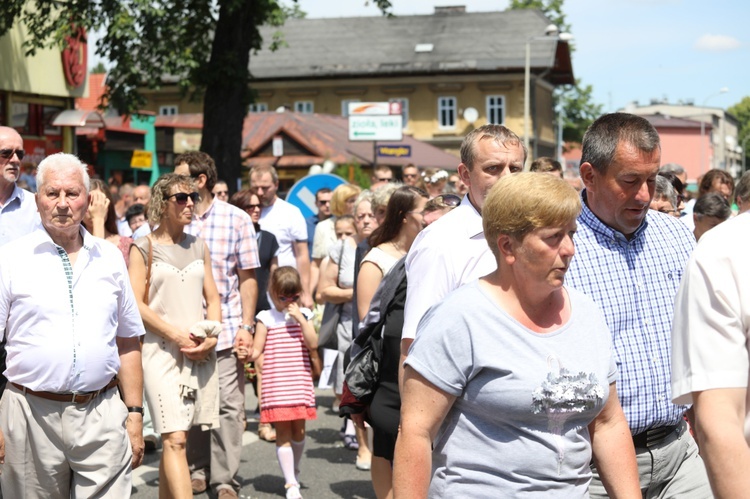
column 524, row 400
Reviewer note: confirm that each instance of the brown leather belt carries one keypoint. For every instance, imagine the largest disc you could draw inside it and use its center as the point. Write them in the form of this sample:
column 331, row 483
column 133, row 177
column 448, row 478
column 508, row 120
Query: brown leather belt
column 76, row 398
column 654, row 436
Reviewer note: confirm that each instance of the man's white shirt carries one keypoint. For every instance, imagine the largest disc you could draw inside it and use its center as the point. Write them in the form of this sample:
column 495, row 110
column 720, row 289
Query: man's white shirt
column 446, row 255
column 285, row 221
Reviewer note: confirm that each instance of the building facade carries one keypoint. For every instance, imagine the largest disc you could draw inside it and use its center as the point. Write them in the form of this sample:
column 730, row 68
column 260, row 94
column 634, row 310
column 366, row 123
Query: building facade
column 35, row 90
column 451, row 72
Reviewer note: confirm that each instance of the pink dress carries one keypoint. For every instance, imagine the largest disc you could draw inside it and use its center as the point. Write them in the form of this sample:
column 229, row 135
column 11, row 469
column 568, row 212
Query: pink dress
column 287, row 392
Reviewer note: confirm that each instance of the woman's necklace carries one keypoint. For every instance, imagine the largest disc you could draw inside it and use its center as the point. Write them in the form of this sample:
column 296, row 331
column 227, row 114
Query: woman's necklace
column 396, row 247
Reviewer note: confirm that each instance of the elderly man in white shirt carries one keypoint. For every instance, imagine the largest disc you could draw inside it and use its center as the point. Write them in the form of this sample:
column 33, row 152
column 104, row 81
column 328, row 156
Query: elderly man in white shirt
column 453, row 251
column 72, row 328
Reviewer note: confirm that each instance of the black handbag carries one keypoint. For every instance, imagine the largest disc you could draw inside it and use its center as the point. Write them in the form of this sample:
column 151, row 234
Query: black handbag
column 363, row 371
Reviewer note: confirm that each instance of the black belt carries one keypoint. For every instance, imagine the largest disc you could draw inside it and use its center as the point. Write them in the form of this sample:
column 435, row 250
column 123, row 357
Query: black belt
column 76, row 398
column 654, row 436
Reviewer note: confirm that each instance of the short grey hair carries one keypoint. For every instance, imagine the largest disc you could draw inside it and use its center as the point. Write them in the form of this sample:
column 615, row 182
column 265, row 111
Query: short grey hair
column 59, row 161
column 665, row 190
column 672, row 168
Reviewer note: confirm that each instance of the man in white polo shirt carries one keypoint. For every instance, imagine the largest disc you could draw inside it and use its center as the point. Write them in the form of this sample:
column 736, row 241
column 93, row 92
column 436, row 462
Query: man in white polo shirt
column 453, row 251
column 73, row 334
column 285, row 221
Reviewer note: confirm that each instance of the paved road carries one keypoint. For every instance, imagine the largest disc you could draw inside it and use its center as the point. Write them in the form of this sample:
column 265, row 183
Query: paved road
column 328, row 470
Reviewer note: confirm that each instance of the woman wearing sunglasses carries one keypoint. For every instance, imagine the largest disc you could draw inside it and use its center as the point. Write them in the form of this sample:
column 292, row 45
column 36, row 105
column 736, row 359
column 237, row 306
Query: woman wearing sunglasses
column 170, row 272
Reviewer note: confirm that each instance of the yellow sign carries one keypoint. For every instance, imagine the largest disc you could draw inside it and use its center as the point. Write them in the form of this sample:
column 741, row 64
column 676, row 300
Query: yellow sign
column 141, row 159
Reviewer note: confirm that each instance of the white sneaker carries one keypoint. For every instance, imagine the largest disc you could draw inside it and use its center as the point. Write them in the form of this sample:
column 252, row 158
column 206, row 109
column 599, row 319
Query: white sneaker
column 292, row 492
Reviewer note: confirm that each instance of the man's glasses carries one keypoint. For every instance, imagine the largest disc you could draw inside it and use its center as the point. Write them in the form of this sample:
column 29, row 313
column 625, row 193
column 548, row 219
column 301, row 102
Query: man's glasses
column 182, row 197
column 410, row 175
column 8, row 153
column 323, row 201
column 251, row 206
column 384, row 180
column 289, row 299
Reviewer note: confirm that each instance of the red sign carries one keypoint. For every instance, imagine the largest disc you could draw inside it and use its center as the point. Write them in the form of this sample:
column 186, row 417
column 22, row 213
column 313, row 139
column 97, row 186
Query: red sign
column 75, row 57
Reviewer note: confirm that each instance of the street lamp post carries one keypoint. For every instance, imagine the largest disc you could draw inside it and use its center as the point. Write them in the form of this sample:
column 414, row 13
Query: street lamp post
column 723, row 90
column 550, row 33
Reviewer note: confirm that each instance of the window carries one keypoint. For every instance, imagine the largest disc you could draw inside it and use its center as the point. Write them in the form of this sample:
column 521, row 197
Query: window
column 257, row 107
column 404, row 109
column 447, row 112
column 303, row 106
column 167, row 110
column 345, row 106
column 495, row 109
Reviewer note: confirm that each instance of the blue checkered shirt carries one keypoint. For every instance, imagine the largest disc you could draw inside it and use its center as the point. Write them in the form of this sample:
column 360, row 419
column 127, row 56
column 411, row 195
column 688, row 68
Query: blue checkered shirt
column 635, row 283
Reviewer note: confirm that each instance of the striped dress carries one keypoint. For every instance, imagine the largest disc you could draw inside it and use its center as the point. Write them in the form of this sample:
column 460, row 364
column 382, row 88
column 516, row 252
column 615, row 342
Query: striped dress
column 287, row 391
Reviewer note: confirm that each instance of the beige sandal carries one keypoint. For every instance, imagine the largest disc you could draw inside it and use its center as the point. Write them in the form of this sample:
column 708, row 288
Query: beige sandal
column 266, row 432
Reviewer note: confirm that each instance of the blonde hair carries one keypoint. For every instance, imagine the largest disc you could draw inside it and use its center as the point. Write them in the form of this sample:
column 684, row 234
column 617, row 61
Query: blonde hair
column 339, row 197
column 520, row 203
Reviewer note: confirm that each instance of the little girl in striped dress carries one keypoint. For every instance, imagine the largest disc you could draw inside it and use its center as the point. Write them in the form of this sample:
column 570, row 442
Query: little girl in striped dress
column 285, row 335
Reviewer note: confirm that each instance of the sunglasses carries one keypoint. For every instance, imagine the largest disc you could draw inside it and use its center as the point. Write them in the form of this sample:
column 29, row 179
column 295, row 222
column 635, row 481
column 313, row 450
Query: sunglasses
column 289, row 299
column 410, row 175
column 182, row 197
column 221, row 193
column 251, row 206
column 448, row 200
column 8, row 153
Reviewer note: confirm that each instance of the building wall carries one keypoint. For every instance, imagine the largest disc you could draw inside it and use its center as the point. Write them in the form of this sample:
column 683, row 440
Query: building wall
column 683, row 146
column 722, row 152
column 32, row 92
column 422, row 93
column 41, row 74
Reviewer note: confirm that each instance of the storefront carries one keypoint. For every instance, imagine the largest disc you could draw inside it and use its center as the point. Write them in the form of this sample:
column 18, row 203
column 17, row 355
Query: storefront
column 34, row 90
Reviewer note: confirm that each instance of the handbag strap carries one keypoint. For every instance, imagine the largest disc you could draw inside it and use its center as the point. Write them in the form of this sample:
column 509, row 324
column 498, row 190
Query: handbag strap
column 148, row 268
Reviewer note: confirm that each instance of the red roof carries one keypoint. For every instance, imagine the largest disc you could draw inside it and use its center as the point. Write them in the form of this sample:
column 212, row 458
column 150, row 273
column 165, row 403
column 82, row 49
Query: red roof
column 97, row 87
column 323, row 137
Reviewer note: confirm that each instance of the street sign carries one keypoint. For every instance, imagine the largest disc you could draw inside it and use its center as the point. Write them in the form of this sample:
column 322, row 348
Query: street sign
column 141, row 159
column 375, row 127
column 302, row 193
column 394, row 151
column 369, row 108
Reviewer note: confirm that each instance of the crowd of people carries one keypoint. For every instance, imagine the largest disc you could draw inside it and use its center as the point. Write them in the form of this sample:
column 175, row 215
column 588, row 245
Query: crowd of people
column 536, row 338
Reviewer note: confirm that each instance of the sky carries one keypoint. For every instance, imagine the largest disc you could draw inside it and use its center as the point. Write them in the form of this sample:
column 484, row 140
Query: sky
column 628, row 50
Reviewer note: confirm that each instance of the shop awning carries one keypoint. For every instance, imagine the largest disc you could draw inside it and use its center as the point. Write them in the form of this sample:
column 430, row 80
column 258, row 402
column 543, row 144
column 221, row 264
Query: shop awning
column 75, row 117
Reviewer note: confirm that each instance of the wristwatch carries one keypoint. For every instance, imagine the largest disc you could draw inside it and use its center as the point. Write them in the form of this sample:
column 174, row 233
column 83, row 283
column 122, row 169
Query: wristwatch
column 136, row 409
column 249, row 329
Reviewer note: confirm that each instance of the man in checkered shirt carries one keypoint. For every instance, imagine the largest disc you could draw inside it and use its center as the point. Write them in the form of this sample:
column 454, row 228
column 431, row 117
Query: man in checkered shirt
column 630, row 260
column 230, row 236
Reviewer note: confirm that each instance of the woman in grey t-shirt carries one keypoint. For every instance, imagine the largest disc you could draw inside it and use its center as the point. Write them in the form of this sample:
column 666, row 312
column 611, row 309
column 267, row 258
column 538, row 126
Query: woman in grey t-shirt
column 509, row 386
